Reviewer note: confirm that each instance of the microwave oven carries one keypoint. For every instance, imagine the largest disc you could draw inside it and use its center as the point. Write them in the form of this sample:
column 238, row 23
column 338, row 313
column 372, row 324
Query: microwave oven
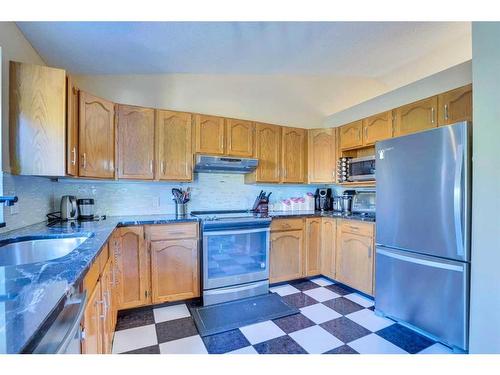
column 361, row 169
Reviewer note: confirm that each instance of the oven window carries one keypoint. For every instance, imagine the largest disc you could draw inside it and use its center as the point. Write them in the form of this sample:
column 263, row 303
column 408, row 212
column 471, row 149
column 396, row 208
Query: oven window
column 236, row 254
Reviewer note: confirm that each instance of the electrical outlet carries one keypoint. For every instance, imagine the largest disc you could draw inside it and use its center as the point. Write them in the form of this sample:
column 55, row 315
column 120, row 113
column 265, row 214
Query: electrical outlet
column 156, row 202
column 14, row 210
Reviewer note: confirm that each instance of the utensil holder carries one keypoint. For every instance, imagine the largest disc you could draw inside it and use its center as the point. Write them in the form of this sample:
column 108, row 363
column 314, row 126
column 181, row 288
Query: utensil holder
column 181, row 209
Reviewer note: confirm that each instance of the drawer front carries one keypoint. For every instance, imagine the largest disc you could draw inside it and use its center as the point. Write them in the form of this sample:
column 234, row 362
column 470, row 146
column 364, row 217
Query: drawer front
column 351, row 226
column 287, row 224
column 172, row 231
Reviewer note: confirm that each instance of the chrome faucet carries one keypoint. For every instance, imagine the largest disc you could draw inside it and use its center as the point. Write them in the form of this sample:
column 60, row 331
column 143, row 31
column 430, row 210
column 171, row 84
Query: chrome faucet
column 8, row 200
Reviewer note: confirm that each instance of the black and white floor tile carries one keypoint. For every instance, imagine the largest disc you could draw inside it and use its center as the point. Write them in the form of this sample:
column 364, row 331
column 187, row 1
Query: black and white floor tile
column 333, row 319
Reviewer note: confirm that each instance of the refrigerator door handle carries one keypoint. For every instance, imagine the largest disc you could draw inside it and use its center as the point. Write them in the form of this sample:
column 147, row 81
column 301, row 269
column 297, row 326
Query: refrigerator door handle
column 457, row 201
column 420, row 260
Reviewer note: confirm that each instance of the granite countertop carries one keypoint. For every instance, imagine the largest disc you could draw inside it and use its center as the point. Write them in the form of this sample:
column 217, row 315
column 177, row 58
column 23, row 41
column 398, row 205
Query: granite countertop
column 339, row 215
column 31, row 295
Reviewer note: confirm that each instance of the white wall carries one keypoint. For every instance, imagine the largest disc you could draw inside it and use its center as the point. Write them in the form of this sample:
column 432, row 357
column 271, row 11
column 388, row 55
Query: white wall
column 485, row 283
column 293, row 100
column 445, row 80
column 35, row 193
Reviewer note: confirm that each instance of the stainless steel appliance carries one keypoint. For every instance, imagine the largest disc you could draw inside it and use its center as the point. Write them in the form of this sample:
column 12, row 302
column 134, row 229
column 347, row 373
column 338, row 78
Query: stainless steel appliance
column 346, row 200
column 323, row 199
column 65, row 334
column 86, row 208
column 69, row 209
column 224, row 164
column 364, row 202
column 361, row 169
column 337, row 203
column 235, row 260
column 423, row 231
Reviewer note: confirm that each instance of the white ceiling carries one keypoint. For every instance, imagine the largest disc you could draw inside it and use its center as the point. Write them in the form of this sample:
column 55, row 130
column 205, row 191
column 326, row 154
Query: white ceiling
column 294, row 73
column 369, row 49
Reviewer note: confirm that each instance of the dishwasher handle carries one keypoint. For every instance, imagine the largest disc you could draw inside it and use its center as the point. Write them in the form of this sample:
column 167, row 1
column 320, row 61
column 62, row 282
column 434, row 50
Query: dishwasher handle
column 81, row 300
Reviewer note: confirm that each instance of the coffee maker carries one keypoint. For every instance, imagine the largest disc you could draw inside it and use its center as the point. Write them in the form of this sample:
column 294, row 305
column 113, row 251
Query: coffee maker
column 323, row 199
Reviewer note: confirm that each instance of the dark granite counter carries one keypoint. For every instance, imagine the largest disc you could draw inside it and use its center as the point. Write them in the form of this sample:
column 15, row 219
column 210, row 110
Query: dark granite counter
column 31, row 295
column 337, row 215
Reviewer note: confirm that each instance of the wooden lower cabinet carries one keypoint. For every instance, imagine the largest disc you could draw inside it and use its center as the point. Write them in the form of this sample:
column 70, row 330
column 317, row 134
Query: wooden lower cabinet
column 92, row 324
column 286, row 256
column 355, row 258
column 132, row 267
column 328, row 240
column 313, row 246
column 174, row 270
column 99, row 318
column 108, row 310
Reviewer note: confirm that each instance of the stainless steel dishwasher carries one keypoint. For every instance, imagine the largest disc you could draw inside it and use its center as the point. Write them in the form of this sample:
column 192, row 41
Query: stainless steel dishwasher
column 65, row 334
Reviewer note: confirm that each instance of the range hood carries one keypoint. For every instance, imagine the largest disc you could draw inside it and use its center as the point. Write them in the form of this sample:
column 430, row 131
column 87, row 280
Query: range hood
column 224, row 164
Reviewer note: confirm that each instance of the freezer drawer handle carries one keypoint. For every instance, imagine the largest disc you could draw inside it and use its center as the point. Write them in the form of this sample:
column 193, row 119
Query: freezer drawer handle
column 423, row 262
column 457, row 201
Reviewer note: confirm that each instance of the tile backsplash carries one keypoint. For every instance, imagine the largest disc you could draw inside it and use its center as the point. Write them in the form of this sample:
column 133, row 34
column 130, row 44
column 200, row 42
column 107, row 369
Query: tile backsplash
column 208, row 192
column 36, row 199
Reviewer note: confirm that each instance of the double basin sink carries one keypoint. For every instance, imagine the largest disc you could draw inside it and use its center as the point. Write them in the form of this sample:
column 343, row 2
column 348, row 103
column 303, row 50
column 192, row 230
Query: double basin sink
column 26, row 250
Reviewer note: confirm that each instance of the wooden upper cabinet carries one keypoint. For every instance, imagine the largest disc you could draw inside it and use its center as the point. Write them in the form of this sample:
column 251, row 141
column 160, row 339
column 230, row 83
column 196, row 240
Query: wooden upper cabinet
column 174, row 270
column 209, row 134
column 72, row 114
column 313, row 246
column 328, row 239
column 135, row 132
column 132, row 267
column 268, row 151
column 321, row 158
column 37, row 120
column 351, row 135
column 415, row 117
column 377, row 128
column 293, row 149
column 174, row 155
column 455, row 106
column 97, row 137
column 239, row 138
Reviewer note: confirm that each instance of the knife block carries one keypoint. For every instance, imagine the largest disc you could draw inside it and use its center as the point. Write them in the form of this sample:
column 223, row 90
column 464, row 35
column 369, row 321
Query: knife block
column 262, row 207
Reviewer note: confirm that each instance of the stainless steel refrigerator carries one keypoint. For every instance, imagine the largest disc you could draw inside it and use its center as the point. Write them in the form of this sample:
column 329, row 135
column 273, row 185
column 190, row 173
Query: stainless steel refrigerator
column 423, row 231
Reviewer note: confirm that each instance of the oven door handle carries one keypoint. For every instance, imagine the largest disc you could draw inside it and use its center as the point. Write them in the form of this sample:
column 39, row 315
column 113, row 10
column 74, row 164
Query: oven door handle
column 233, row 232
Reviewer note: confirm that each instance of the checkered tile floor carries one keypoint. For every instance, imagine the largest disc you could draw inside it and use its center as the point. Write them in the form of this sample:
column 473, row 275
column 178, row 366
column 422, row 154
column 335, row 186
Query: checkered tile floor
column 333, row 319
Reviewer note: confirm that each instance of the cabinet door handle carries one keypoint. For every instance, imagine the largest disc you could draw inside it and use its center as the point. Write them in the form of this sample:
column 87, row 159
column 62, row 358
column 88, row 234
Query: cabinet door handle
column 151, row 165
column 446, row 111
column 366, row 133
column 73, row 159
column 369, row 251
column 162, row 167
column 432, row 115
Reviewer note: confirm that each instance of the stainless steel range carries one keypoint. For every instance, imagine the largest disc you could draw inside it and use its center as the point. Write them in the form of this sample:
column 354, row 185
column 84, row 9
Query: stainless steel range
column 235, row 260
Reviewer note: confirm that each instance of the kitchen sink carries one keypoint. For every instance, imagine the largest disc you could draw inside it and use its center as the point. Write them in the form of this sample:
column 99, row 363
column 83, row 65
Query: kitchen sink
column 31, row 250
